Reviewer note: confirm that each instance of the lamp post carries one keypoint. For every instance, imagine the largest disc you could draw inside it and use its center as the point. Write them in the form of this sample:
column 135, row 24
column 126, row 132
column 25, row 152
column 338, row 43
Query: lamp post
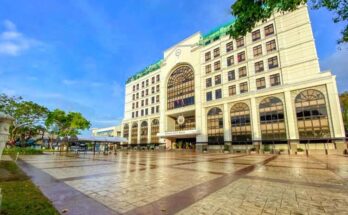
column 5, row 122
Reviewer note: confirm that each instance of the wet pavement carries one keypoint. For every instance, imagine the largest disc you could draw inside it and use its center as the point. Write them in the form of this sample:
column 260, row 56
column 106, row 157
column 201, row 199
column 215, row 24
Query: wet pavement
column 192, row 183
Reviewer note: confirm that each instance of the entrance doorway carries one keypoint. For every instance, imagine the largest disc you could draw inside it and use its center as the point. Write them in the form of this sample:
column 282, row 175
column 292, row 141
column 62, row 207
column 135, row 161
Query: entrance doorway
column 185, row 143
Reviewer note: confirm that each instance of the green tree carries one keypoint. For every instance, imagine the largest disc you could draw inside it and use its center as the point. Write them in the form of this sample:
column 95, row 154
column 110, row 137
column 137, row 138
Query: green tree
column 344, row 106
column 66, row 124
column 249, row 12
column 29, row 117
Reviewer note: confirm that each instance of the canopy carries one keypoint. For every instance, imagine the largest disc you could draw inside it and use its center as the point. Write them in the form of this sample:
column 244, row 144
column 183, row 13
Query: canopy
column 97, row 139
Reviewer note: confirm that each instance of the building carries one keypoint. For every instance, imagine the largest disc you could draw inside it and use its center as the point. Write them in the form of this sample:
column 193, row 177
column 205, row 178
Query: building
column 211, row 89
column 114, row 131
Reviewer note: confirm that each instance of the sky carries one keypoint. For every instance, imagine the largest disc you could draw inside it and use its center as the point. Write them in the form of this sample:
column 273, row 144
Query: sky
column 76, row 55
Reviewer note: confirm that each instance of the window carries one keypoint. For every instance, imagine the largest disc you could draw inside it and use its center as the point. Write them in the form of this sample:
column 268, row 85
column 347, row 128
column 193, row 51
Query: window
column 153, row 80
column 137, row 86
column 134, row 137
column 146, row 112
column 133, row 96
column 143, row 132
column 181, row 88
column 257, row 50
column 142, row 112
column 147, row 82
column 273, row 62
column 312, row 118
column 136, row 113
column 142, row 93
column 136, row 104
column 218, row 94
column 256, row 35
column 216, row 52
column 147, row 92
column 152, row 90
column 271, row 46
column 209, row 96
column 217, row 79
column 208, row 82
column 240, row 42
column 133, row 87
column 152, row 110
column 269, row 30
column 152, row 99
column 240, row 123
column 241, row 57
column 133, row 106
column 259, row 66
column 142, row 103
column 158, row 78
column 132, row 114
column 157, row 109
column 272, row 119
column 207, row 69
column 143, row 84
column 260, row 83
column 275, row 80
column 154, row 131
column 207, row 56
column 232, row 90
column 217, row 66
column 137, row 95
column 215, row 126
column 242, row 72
column 157, row 98
column 231, row 75
column 229, row 46
column 157, row 88
column 230, row 60
column 146, row 101
column 243, row 87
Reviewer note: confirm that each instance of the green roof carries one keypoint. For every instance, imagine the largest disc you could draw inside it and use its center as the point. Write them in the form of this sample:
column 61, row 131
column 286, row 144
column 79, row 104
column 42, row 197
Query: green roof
column 216, row 33
column 207, row 38
column 153, row 67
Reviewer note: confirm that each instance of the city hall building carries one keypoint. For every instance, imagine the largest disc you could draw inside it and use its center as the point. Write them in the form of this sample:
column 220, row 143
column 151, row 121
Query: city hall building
column 214, row 90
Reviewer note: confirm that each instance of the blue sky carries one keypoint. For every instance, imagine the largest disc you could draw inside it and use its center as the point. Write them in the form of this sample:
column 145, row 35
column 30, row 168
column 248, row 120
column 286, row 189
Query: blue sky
column 77, row 54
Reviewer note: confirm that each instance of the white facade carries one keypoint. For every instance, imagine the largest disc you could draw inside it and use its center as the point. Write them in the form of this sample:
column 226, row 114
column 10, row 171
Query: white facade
column 295, row 70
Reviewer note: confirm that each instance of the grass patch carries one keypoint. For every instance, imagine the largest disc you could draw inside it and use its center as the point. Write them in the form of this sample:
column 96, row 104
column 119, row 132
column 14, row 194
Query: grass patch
column 22, row 151
column 19, row 194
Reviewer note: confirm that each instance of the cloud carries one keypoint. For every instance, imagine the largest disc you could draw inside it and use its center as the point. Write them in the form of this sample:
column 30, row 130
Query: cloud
column 12, row 42
column 337, row 63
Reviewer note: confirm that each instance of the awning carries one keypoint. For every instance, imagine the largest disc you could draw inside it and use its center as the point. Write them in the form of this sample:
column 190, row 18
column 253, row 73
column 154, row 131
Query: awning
column 95, row 139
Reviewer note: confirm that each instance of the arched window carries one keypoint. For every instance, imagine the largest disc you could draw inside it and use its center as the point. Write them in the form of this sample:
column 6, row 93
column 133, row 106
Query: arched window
column 272, row 119
column 154, row 131
column 181, row 88
column 240, row 122
column 215, row 124
column 134, row 137
column 126, row 131
column 312, row 119
column 143, row 132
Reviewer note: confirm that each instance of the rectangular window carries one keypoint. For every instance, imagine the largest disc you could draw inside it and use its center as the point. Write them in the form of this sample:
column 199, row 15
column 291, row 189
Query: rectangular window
column 257, row 50
column 133, row 87
column 136, row 114
column 147, row 82
column 275, row 80
column 241, row 57
column 137, row 104
column 157, row 109
column 146, row 112
column 256, row 35
column 240, row 42
column 271, row 46
column 259, row 66
column 230, row 60
column 269, row 30
column 243, row 87
column 142, row 103
column 142, row 93
column 209, row 96
column 260, row 83
column 217, row 79
column 153, row 99
column 137, row 95
column 207, row 56
column 208, row 82
column 132, row 114
column 229, row 46
column 273, row 62
column 242, row 72
column 157, row 98
column 152, row 89
column 231, row 75
column 133, row 96
column 157, row 88
column 232, row 90
column 158, row 78
column 142, row 112
column 146, row 101
column 143, row 84
column 147, row 92
column 218, row 94
column 152, row 110
column 217, row 66
column 137, row 86
column 208, row 69
column 153, row 80
column 133, row 105
column 216, row 52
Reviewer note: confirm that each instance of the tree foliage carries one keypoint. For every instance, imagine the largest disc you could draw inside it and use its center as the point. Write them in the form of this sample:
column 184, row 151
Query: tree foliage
column 344, row 106
column 29, row 117
column 249, row 12
column 66, row 124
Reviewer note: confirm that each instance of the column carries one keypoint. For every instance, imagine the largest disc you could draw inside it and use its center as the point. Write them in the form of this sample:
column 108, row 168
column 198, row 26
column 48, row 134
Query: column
column 138, row 137
column 255, row 124
column 227, row 124
column 291, row 122
column 149, row 128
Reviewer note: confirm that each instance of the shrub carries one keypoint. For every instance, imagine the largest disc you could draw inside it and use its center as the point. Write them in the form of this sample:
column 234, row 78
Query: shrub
column 266, row 148
column 300, row 149
column 22, row 151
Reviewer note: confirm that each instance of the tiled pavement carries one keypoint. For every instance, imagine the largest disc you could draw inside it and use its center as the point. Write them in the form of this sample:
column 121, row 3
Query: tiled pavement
column 192, row 183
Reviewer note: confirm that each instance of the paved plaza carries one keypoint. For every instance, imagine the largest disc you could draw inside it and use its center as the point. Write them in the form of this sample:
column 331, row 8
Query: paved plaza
column 192, row 183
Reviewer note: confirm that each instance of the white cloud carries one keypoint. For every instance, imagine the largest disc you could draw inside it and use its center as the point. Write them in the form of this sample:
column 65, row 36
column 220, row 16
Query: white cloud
column 12, row 42
column 337, row 63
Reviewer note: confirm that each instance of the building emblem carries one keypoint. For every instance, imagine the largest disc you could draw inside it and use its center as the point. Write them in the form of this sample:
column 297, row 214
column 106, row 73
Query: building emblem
column 180, row 120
